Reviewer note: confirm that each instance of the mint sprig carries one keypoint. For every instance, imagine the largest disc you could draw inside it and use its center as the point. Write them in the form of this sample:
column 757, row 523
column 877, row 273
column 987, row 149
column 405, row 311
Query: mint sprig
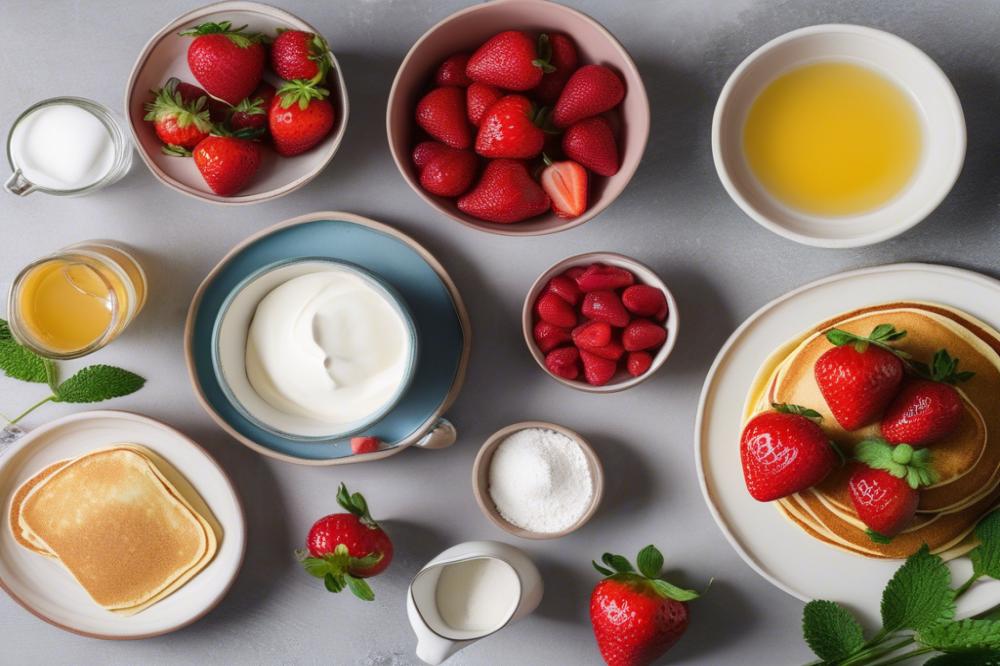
column 831, row 631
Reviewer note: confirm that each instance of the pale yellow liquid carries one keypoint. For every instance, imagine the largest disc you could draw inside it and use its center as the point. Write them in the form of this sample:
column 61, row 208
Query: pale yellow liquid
column 833, row 139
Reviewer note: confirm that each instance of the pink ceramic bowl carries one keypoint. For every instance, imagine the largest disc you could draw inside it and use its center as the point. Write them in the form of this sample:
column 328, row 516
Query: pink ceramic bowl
column 465, row 31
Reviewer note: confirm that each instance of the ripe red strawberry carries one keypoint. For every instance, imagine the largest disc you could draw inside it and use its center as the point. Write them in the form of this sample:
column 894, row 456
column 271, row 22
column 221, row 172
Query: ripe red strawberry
column 645, row 301
column 451, row 72
column 479, row 97
column 227, row 62
column 612, row 351
column 591, row 142
column 601, row 277
column 548, row 337
column 449, row 172
column 179, row 125
column 251, row 113
column 555, row 310
column 364, row 444
column 642, row 334
column 344, row 548
column 441, row 113
column 566, row 185
column 425, row 151
column 597, row 370
column 217, row 110
column 590, row 91
column 300, row 117
column 564, row 362
column 565, row 288
column 592, row 334
column 508, row 60
column 296, row 54
column 884, row 483
column 574, row 273
column 638, row 363
column 636, row 615
column 927, row 410
column 562, row 56
column 604, row 305
column 508, row 130
column 227, row 163
column 860, row 376
column 505, row 194
column 784, row 452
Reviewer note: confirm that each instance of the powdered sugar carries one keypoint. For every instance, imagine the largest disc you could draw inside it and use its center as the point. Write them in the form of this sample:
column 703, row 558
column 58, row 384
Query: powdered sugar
column 540, row 481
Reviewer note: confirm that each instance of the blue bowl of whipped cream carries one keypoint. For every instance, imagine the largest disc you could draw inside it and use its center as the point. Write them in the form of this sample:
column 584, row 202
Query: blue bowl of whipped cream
column 314, row 349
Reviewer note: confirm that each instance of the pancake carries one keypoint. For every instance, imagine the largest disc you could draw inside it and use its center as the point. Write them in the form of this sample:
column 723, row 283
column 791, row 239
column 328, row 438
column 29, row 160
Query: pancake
column 18, row 499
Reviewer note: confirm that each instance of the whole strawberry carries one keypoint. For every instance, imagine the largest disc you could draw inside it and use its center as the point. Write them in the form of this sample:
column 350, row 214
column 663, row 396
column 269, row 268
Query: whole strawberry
column 860, row 376
column 508, row 60
column 227, row 163
column 345, row 548
column 590, row 91
column 509, row 129
column 927, row 410
column 441, row 113
column 179, row 125
column 636, row 615
column 296, row 54
column 445, row 171
column 506, row 193
column 884, row 485
column 784, row 452
column 251, row 113
column 560, row 52
column 451, row 72
column 300, row 117
column 479, row 97
column 227, row 62
column 591, row 142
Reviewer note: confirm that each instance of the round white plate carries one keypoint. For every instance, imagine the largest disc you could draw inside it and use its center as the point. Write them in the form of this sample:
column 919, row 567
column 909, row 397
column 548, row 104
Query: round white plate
column 47, row 590
column 775, row 548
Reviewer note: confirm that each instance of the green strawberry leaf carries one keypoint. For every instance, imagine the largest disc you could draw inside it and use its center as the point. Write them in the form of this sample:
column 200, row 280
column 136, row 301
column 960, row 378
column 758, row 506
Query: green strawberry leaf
column 96, row 383
column 333, row 583
column 316, row 566
column 617, row 562
column 602, row 570
column 360, row 588
column 962, row 636
column 919, row 595
column 786, row 408
column 986, row 556
column 830, row 630
column 650, row 561
column 670, row 591
column 366, row 562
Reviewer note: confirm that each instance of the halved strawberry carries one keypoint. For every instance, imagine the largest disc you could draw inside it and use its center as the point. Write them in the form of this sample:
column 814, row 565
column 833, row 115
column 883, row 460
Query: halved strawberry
column 564, row 362
column 548, row 337
column 604, row 305
column 597, row 370
column 566, row 184
column 601, row 277
column 555, row 310
column 364, row 444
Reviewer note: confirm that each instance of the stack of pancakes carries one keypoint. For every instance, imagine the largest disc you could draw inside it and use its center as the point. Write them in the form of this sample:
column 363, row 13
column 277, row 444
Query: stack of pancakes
column 124, row 523
column 968, row 461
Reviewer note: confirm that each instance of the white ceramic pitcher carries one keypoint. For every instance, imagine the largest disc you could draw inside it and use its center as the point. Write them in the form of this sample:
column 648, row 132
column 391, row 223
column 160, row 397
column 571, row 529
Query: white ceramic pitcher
column 468, row 592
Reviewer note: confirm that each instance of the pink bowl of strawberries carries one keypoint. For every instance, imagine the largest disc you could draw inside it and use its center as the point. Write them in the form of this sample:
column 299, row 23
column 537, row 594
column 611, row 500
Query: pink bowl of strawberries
column 518, row 117
column 237, row 103
column 600, row 322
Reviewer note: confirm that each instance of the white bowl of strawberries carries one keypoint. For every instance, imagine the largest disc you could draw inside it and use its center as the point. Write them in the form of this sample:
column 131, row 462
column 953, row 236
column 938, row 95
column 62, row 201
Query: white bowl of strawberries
column 236, row 103
column 518, row 117
column 600, row 322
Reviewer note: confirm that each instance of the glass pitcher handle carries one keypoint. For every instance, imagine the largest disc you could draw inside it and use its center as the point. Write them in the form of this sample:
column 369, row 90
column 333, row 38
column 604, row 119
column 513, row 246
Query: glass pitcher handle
column 18, row 184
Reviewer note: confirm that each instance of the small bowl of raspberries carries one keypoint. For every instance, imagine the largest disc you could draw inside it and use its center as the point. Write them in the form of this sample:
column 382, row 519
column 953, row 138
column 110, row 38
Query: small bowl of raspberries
column 600, row 322
column 518, row 117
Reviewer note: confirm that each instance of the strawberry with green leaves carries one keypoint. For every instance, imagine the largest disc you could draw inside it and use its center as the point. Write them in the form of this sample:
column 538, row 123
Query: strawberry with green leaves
column 296, row 54
column 929, row 408
column 226, row 61
column 180, row 125
column 345, row 548
column 251, row 113
column 300, row 117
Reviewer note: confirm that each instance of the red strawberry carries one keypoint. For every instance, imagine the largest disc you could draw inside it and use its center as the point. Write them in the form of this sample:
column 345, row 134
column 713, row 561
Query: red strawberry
column 641, row 334
column 228, row 63
column 296, row 54
column 479, row 97
column 927, row 410
column 860, row 376
column 252, row 112
column 548, row 337
column 637, row 616
column 599, row 276
column 604, row 305
column 592, row 334
column 784, row 452
column 344, row 548
column 574, row 273
column 562, row 57
column 364, row 444
column 597, row 370
column 180, row 125
column 451, row 72
column 591, row 142
column 505, row 194
column 556, row 311
column 564, row 362
column 883, row 486
column 611, row 351
column 565, row 288
column 566, row 185
column 227, row 163
column 638, row 363
column 645, row 301
column 425, row 151
column 591, row 90
column 508, row 60
column 300, row 117
column 441, row 113
column 508, row 130
column 217, row 110
column 449, row 172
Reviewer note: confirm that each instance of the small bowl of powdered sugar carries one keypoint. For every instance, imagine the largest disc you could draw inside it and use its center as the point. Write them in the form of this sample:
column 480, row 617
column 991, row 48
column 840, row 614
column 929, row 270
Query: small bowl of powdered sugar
column 537, row 480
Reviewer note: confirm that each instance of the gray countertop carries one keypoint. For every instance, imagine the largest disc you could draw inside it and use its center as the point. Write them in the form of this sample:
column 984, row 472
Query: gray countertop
column 674, row 216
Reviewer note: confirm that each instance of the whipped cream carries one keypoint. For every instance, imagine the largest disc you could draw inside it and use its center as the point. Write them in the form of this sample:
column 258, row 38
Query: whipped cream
column 328, row 346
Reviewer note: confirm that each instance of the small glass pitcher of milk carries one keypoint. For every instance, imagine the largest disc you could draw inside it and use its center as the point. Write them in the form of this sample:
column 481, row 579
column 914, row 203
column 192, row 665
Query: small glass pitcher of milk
column 67, row 146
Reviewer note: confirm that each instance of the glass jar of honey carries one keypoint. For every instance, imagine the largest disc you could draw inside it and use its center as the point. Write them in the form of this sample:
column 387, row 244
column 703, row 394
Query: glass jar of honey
column 77, row 300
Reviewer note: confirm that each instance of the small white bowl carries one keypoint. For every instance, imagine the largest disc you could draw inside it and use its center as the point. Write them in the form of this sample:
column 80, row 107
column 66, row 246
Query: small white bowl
column 895, row 58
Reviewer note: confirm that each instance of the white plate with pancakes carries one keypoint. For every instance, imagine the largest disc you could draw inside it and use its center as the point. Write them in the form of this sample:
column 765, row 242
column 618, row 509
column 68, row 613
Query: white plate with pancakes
column 87, row 471
column 779, row 550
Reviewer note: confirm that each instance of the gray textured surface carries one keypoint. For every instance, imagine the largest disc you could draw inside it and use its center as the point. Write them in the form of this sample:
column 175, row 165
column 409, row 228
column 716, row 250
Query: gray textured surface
column 675, row 216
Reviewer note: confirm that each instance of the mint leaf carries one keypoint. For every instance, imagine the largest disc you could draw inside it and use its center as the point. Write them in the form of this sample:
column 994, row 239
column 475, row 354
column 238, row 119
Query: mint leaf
column 98, row 382
column 986, row 556
column 650, row 561
column 976, row 658
column 360, row 588
column 919, row 595
column 962, row 636
column 17, row 361
column 831, row 631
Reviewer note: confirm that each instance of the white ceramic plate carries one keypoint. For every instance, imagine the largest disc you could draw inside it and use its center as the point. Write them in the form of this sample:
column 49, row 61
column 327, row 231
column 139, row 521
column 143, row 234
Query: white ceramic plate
column 47, row 590
column 776, row 549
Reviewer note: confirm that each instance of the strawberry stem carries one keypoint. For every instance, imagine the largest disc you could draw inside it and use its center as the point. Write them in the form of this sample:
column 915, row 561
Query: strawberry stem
column 880, row 336
column 356, row 504
column 943, row 368
column 650, row 563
